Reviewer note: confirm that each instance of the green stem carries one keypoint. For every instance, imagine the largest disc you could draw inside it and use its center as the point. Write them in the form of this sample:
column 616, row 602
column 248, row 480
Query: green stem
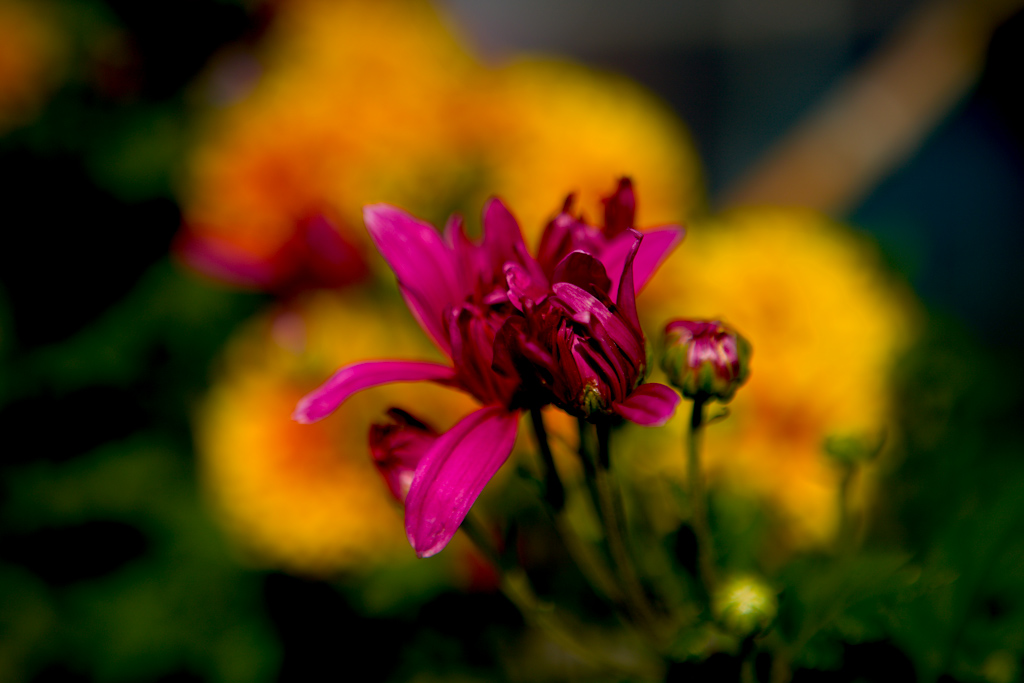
column 781, row 671
column 698, row 500
column 845, row 535
column 614, row 521
column 587, row 457
column 477, row 533
column 554, row 491
column 593, row 567
column 747, row 671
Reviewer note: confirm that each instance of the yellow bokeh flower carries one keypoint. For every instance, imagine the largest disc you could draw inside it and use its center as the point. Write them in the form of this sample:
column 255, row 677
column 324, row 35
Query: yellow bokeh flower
column 357, row 98
column 826, row 324
column 306, row 498
column 361, row 102
column 562, row 127
column 30, row 56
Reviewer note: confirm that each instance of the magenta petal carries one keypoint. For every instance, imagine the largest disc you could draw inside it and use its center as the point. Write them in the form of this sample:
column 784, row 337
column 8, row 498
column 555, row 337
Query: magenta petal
column 320, row 402
column 584, row 271
column 650, row 405
column 524, row 286
column 425, row 266
column 453, row 473
column 655, row 248
column 502, row 236
column 626, row 297
column 555, row 242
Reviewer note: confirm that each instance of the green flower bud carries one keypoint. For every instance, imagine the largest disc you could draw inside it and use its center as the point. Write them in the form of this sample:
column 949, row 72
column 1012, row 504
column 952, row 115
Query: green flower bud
column 744, row 603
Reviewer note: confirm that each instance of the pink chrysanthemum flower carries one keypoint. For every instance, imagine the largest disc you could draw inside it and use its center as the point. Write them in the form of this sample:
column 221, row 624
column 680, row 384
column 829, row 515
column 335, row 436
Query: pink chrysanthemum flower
column 582, row 337
column 520, row 332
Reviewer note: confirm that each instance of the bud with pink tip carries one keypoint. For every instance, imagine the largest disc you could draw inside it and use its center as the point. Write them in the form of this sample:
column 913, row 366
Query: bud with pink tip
column 705, row 359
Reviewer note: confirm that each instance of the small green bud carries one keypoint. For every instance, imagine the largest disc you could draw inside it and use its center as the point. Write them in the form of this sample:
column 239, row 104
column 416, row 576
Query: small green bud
column 744, row 603
column 849, row 450
column 592, row 400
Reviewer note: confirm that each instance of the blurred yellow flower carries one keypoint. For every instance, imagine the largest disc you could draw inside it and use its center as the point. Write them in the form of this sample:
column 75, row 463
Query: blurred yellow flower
column 357, row 99
column 826, row 324
column 30, row 55
column 561, row 127
column 306, row 498
column 362, row 102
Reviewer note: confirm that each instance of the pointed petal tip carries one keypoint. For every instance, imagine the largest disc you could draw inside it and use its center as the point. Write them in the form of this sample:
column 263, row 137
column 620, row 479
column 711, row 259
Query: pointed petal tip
column 426, row 552
column 300, row 414
column 377, row 209
column 495, row 203
column 371, row 212
column 384, row 216
column 679, row 230
column 501, row 227
column 307, row 410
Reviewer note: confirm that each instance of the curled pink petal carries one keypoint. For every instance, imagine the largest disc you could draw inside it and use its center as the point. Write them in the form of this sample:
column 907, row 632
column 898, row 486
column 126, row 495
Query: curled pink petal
column 424, row 265
column 626, row 297
column 650, row 405
column 522, row 286
column 320, row 402
column 580, row 301
column 452, row 474
column 584, row 271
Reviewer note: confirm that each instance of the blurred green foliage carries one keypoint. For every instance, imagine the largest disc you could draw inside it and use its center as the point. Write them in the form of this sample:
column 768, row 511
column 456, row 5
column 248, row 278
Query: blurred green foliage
column 112, row 565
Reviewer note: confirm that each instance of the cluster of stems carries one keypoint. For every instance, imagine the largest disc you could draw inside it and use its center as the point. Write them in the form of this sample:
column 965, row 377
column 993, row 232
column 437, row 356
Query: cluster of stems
column 612, row 573
column 609, row 568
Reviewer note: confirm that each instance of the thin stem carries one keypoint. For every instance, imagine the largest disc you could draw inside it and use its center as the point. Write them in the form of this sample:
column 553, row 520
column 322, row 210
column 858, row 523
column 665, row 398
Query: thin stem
column 591, row 561
column 587, row 457
column 698, row 500
column 592, row 566
column 852, row 523
column 845, row 535
column 554, row 491
column 614, row 521
column 747, row 671
column 782, row 670
column 477, row 533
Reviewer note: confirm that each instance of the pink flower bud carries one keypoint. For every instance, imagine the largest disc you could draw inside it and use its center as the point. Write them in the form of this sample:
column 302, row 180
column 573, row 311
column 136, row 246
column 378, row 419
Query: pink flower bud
column 705, row 359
